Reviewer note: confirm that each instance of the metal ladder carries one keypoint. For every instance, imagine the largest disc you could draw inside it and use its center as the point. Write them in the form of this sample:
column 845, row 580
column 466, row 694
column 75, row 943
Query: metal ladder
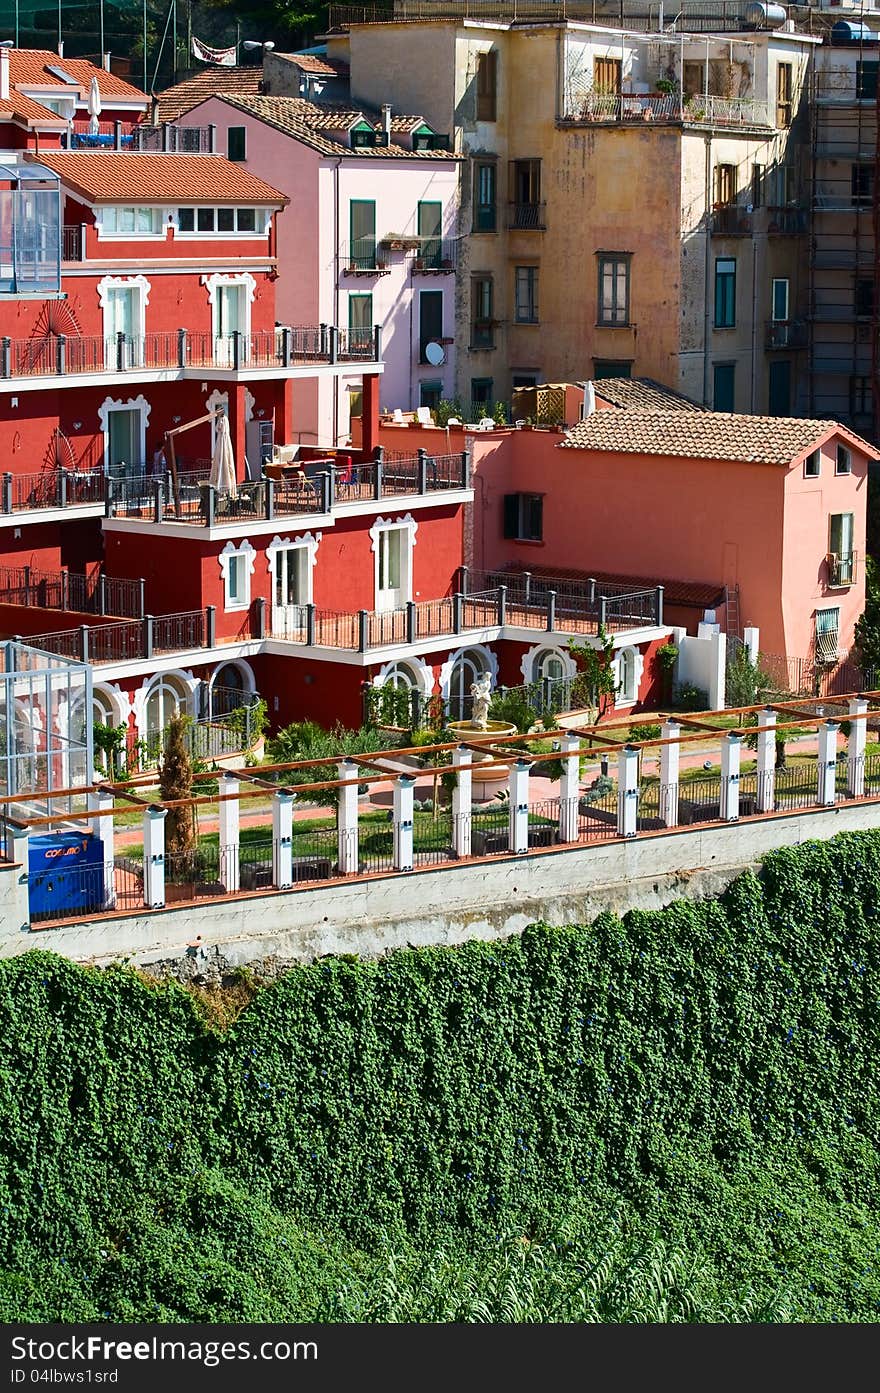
column 731, row 603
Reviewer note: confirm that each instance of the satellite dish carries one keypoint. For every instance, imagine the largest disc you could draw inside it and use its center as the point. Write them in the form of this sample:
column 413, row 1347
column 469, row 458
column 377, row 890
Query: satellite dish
column 435, row 353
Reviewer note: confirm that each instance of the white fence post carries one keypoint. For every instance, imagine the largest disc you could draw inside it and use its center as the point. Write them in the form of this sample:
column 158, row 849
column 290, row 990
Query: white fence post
column 154, row 857
column 826, row 787
column 518, row 827
column 669, row 766
column 347, row 820
column 569, row 789
column 858, row 739
column 403, row 822
column 731, row 751
column 766, row 762
column 101, row 804
column 230, row 836
column 462, row 795
column 282, row 839
column 627, row 791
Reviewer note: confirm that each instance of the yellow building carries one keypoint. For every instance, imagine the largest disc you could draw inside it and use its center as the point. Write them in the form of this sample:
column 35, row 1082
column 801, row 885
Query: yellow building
column 632, row 203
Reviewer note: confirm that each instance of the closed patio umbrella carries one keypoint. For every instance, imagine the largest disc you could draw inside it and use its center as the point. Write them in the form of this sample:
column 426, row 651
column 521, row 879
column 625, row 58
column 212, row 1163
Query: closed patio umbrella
column 223, row 462
column 94, row 106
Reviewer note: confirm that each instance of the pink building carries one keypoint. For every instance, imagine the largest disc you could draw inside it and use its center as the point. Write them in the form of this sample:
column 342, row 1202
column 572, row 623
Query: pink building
column 369, row 237
column 767, row 514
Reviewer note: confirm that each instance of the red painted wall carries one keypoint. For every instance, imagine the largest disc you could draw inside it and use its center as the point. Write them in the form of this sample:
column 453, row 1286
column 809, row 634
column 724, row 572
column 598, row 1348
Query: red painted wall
column 51, row 546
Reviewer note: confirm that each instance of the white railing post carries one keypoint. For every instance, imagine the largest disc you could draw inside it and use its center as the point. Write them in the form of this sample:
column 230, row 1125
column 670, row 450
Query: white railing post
column 627, row 792
column 282, row 839
column 858, row 739
column 518, row 824
column 403, row 822
column 154, row 857
column 462, row 795
column 731, row 751
column 347, row 820
column 569, row 789
column 826, row 786
column 670, row 758
column 230, row 837
column 766, row 761
column 101, row 804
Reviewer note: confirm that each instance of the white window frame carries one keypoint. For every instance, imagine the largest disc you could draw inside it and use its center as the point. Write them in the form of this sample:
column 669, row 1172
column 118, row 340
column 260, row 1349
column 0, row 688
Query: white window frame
column 421, row 673
column 825, row 651
column 530, row 663
column 106, row 234
column 780, row 318
column 530, row 301
column 487, row 658
column 262, row 223
column 843, row 455
column 141, row 286
column 188, row 686
column 248, row 556
column 408, row 525
column 238, row 278
column 622, row 698
column 117, row 404
column 309, row 543
column 814, row 457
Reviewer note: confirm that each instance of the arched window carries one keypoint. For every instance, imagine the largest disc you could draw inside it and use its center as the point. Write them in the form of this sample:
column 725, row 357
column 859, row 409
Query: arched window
column 401, row 676
column 468, row 666
column 166, row 697
column 627, row 681
column 104, row 713
column 227, row 689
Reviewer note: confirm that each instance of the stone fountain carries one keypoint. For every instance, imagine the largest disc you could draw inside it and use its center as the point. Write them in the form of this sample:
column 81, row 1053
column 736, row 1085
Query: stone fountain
column 485, row 782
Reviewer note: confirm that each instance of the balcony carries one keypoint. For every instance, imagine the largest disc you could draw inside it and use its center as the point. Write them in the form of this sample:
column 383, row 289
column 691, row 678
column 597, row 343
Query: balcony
column 184, row 140
column 60, row 355
column 52, row 489
column 786, row 333
column 317, row 486
column 730, row 222
column 103, row 135
column 666, row 108
column 363, row 257
column 842, row 568
column 435, row 256
column 526, row 217
column 786, row 222
column 67, row 591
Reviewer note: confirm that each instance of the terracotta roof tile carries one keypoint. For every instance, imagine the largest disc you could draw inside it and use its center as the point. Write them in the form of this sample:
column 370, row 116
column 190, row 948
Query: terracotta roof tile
column 313, row 124
column 117, row 176
column 25, row 109
column 642, row 394
column 28, row 67
column 707, row 435
column 177, row 100
column 312, row 63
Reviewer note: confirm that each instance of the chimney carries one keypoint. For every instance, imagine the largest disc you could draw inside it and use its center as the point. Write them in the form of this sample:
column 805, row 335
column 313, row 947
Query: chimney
column 4, row 72
column 386, row 122
column 106, row 62
column 60, row 48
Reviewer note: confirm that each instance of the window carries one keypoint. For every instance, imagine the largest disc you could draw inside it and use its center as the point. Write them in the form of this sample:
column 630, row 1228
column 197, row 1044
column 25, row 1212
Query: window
column 758, row 172
column 485, row 196
column 487, row 85
column 813, row 465
column 611, row 367
column 136, row 220
column 827, row 630
column 430, row 394
column 526, row 286
column 860, row 396
column 725, row 185
column 627, row 678
column 430, row 225
column 362, row 135
column 291, row 577
column 524, row 379
column 362, row 227
column 466, row 668
column 166, row 697
column 360, row 320
column 255, row 220
column 614, row 278
column 524, row 516
column 481, row 395
column 843, row 462
column 482, row 305
column 236, row 143
column 862, row 184
column 607, row 76
column 784, row 93
column 393, row 546
column 866, row 80
column 840, row 547
column 236, row 569
column 725, row 292
column 780, row 300
column 864, row 298
column 723, row 393
column 430, row 319
column 783, row 186
column 525, row 189
column 779, row 388
column 355, row 402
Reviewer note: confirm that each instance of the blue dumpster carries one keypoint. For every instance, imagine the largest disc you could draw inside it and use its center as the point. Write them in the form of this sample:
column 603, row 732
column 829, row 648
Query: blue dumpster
column 65, row 874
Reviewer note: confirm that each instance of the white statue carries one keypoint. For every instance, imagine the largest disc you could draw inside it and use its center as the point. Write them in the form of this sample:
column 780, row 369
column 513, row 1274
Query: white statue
column 480, row 691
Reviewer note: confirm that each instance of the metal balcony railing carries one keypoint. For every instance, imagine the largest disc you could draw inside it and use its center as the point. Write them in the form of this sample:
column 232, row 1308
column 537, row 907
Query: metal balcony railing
column 731, row 222
column 842, row 568
column 529, row 217
column 363, row 256
column 435, row 255
column 786, row 333
column 73, row 243
column 190, row 140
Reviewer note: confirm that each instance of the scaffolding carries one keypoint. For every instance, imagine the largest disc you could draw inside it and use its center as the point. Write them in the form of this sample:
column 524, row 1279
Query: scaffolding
column 843, row 312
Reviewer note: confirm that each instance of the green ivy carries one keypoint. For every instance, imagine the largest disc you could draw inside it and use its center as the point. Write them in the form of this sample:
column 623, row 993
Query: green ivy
column 706, row 1074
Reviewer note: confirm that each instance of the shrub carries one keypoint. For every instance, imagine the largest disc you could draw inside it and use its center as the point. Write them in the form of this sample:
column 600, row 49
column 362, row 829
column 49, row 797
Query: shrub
column 688, row 697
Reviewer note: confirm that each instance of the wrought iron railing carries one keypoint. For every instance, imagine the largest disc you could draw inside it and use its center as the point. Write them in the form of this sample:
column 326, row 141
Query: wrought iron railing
column 65, row 590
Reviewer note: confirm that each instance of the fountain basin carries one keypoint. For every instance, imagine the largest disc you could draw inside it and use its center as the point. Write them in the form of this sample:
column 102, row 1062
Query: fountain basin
column 485, row 782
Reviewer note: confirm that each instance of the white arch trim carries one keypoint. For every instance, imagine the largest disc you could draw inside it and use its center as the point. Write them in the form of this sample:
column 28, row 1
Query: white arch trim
column 421, row 671
column 110, row 404
column 383, row 524
column 310, row 540
column 119, row 701
column 490, row 664
column 216, row 401
column 620, row 700
column 247, row 673
column 529, row 660
column 187, row 682
column 212, row 283
column 108, row 283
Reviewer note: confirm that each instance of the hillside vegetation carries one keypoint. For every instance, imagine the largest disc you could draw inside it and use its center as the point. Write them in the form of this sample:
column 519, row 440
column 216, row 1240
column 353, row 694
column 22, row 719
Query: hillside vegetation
column 668, row 1117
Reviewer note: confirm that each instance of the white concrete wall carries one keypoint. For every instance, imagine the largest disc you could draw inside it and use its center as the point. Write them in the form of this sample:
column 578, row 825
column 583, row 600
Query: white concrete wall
column 702, row 661
column 445, row 905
